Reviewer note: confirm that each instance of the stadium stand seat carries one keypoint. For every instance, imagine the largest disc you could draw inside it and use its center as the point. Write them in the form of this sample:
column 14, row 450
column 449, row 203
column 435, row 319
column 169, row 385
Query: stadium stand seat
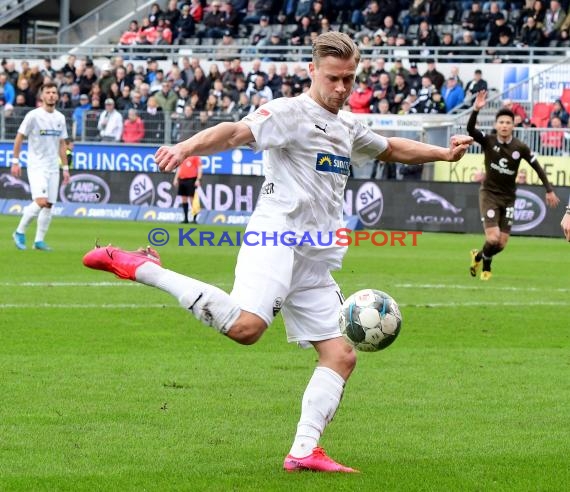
column 551, row 143
column 541, row 114
column 412, row 30
column 449, row 17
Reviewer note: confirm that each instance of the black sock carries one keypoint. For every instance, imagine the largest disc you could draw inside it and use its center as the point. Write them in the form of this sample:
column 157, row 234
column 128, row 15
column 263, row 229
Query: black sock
column 185, row 210
column 489, row 250
column 487, row 264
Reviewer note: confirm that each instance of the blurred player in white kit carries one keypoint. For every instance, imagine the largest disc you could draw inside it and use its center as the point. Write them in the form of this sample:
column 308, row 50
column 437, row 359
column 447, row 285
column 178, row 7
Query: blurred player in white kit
column 46, row 131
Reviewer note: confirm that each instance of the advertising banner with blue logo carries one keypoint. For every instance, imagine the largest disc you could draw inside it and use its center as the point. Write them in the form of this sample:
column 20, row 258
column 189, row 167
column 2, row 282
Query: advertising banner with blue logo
column 230, row 200
column 140, row 158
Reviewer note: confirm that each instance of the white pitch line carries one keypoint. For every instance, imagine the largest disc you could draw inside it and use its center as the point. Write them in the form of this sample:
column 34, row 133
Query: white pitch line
column 476, row 304
column 477, row 287
column 85, row 306
column 69, row 284
column 84, row 284
column 163, row 306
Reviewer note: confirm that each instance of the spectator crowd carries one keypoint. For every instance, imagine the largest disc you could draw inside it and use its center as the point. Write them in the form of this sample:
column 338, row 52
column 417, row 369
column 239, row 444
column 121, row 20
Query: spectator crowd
column 132, row 102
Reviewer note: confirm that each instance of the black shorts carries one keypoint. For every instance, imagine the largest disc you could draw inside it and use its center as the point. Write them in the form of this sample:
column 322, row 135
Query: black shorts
column 497, row 210
column 186, row 187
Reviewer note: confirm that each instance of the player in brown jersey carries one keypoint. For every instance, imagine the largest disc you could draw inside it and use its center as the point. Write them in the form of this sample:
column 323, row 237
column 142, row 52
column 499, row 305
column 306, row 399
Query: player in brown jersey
column 503, row 155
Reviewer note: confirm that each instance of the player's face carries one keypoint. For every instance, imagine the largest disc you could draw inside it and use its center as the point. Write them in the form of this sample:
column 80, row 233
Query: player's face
column 504, row 126
column 50, row 96
column 333, row 81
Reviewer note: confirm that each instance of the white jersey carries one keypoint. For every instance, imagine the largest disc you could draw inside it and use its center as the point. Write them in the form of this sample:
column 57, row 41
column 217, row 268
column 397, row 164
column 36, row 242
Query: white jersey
column 307, row 156
column 44, row 130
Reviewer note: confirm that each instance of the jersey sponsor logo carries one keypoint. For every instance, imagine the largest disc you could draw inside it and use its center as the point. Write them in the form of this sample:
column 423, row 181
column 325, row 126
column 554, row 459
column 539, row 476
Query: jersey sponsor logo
column 529, row 211
column 50, row 133
column 369, row 203
column 426, row 196
column 331, row 163
column 502, row 167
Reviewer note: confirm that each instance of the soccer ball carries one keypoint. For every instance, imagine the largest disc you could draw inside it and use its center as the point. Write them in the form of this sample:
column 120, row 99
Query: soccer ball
column 370, row 320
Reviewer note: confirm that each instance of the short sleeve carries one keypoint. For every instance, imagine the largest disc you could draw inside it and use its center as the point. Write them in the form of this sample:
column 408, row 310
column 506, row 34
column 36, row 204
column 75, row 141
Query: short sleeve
column 64, row 133
column 367, row 144
column 272, row 125
column 25, row 126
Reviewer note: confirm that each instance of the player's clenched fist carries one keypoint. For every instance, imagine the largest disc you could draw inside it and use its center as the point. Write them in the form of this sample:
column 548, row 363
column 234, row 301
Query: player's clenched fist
column 458, row 146
column 461, row 140
column 168, row 158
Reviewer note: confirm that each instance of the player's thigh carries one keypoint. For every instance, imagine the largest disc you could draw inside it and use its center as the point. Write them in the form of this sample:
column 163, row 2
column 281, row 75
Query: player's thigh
column 490, row 209
column 263, row 279
column 507, row 218
column 311, row 311
column 39, row 181
column 53, row 187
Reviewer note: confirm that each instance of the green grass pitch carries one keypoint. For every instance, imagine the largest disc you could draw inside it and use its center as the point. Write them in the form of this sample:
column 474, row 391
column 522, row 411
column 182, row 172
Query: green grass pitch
column 107, row 385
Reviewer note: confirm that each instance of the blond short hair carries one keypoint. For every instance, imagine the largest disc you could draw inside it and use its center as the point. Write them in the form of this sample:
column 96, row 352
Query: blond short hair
column 335, row 44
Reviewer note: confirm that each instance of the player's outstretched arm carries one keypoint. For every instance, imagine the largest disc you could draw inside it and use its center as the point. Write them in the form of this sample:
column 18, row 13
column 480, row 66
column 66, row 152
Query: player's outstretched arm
column 478, row 105
column 409, row 151
column 221, row 137
column 565, row 224
column 480, row 101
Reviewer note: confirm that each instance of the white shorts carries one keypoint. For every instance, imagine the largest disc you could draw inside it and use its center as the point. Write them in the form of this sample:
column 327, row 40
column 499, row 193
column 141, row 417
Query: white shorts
column 44, row 184
column 270, row 279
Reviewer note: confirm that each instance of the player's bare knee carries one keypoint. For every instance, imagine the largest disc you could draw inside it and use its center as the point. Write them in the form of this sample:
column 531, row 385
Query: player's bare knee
column 247, row 329
column 43, row 202
column 342, row 358
column 349, row 359
column 493, row 240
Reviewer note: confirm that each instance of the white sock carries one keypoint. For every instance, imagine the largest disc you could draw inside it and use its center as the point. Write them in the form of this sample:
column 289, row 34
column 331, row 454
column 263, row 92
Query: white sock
column 44, row 219
column 30, row 213
column 320, row 401
column 212, row 306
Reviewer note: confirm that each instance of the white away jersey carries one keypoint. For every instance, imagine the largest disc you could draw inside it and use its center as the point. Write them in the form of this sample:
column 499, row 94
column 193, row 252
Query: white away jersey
column 307, row 155
column 44, row 131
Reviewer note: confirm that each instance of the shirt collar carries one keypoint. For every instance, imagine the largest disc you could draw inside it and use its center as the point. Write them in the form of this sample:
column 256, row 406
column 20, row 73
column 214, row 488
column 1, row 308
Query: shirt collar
column 505, row 142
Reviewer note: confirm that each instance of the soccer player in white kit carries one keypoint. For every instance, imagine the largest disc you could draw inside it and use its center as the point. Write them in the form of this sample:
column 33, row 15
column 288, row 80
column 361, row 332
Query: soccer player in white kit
column 308, row 144
column 46, row 131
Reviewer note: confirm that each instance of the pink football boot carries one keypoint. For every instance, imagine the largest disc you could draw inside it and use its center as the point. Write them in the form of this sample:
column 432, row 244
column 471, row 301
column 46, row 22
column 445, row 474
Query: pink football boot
column 316, row 461
column 118, row 261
